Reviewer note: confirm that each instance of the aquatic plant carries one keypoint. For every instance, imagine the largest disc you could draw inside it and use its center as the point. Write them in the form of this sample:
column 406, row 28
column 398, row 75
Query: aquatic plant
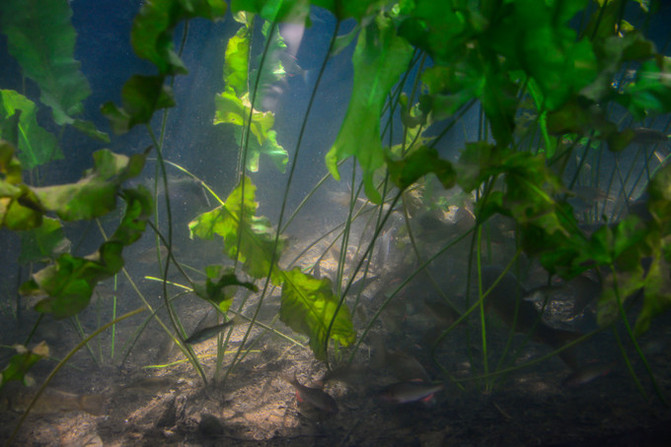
column 552, row 98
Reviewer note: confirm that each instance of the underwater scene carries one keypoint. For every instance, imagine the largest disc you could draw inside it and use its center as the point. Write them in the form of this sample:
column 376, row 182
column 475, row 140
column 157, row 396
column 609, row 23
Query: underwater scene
column 335, row 222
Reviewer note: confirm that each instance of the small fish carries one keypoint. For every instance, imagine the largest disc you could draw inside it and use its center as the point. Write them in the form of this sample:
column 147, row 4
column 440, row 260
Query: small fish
column 442, row 311
column 503, row 300
column 149, row 385
column 643, row 135
column 587, row 374
column 209, row 332
column 314, row 396
column 348, row 373
column 383, row 247
column 362, row 283
column 52, row 401
column 403, row 366
column 411, row 391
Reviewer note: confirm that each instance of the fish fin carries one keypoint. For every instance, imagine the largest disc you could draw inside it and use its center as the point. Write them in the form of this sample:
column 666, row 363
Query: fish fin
column 428, row 398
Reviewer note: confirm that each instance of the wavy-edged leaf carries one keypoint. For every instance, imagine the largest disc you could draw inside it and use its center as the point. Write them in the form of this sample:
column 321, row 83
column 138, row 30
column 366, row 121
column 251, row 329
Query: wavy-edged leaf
column 423, row 161
column 95, row 194
column 295, row 11
column 44, row 242
column 151, row 34
column 233, row 110
column 308, row 306
column 22, row 361
column 20, row 208
column 255, row 234
column 36, row 145
column 379, row 59
column 236, row 61
column 656, row 296
column 70, row 280
column 651, row 91
column 42, row 39
column 141, row 96
column 216, row 288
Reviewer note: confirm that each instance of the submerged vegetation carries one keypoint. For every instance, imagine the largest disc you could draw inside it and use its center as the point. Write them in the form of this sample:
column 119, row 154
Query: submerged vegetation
column 566, row 173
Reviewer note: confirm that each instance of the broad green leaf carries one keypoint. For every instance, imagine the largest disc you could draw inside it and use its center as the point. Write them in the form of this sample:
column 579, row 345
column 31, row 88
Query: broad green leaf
column 357, row 9
column 438, row 28
column 419, row 163
column 656, row 296
column 478, row 162
column 151, row 34
column 22, row 361
column 95, row 194
column 535, row 36
column 233, row 110
column 141, row 96
column 651, row 91
column 530, row 188
column 235, row 221
column 70, row 280
column 43, row 242
column 379, row 59
column 659, row 203
column 296, row 11
column 90, row 129
column 308, row 306
column 236, row 61
column 36, row 145
column 42, row 39
column 138, row 211
column 214, row 288
column 604, row 19
column 270, row 148
column 628, row 283
column 20, row 208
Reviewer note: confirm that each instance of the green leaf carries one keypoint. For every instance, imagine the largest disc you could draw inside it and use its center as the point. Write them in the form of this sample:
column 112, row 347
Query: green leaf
column 308, row 306
column 95, row 194
column 477, row 162
column 438, row 28
column 36, row 145
column 235, row 221
column 379, row 59
column 236, row 61
column 22, row 361
column 141, row 96
column 214, row 288
column 42, row 39
column 20, row 208
column 233, row 110
column 530, row 188
column 419, row 163
column 70, row 280
column 651, row 91
column 90, row 129
column 357, row 9
column 656, row 296
column 295, row 11
column 608, row 310
column 138, row 210
column 42, row 242
column 535, row 36
column 151, row 34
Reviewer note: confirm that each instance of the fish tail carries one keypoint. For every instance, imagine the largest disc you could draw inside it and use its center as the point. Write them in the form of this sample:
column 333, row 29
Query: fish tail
column 92, row 403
